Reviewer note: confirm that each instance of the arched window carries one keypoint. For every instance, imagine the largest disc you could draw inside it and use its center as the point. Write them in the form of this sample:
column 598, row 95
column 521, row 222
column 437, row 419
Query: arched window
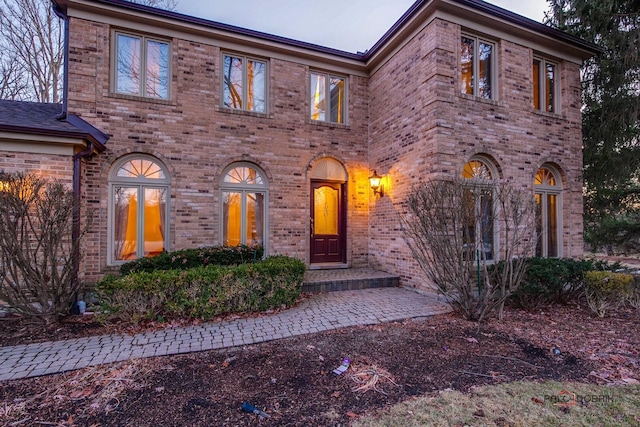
column 138, row 208
column 479, row 233
column 244, row 191
column 548, row 190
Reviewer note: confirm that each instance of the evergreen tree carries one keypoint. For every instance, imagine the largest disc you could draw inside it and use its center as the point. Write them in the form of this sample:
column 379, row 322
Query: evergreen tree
column 611, row 102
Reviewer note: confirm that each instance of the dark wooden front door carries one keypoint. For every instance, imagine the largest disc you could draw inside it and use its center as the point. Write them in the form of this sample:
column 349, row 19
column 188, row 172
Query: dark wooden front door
column 327, row 222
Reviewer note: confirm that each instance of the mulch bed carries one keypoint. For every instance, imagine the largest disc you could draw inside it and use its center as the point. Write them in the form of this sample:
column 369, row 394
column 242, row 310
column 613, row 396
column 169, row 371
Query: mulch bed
column 292, row 379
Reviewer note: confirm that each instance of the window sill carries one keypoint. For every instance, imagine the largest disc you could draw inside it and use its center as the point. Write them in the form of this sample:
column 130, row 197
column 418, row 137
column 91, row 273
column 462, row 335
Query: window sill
column 243, row 112
column 478, row 99
column 328, row 124
column 550, row 115
column 141, row 98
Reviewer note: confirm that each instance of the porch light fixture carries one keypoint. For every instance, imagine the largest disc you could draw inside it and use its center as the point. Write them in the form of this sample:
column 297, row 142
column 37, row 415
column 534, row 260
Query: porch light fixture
column 375, row 181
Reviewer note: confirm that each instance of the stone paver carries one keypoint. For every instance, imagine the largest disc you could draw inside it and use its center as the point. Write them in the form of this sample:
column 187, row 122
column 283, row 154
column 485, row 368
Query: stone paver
column 320, row 313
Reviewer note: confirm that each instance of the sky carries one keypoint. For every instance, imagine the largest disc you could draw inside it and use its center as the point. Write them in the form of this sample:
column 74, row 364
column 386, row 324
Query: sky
column 349, row 25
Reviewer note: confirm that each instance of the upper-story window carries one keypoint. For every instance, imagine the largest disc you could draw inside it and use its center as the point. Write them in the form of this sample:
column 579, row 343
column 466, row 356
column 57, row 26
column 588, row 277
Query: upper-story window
column 477, row 59
column 244, row 85
column 142, row 67
column 327, row 98
column 545, row 81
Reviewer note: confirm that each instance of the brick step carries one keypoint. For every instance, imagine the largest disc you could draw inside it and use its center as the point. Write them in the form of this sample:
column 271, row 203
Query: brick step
column 347, row 279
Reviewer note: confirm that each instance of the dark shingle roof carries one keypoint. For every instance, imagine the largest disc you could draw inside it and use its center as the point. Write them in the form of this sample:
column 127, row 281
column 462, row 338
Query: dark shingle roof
column 39, row 118
column 478, row 5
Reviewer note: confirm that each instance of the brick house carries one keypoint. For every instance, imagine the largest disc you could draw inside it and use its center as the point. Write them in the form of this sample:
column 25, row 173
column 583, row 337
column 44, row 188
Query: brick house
column 224, row 135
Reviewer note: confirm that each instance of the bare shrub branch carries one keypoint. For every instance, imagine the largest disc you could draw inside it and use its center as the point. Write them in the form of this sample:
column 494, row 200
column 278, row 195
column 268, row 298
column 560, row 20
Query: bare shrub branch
column 457, row 228
column 36, row 249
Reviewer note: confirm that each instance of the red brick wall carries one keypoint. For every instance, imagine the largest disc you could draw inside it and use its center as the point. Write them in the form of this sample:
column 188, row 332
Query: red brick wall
column 408, row 121
column 421, row 126
column 49, row 165
column 196, row 140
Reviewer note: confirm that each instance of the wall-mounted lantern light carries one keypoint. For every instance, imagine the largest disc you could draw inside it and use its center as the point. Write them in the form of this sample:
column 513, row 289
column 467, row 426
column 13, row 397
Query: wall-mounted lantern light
column 375, row 181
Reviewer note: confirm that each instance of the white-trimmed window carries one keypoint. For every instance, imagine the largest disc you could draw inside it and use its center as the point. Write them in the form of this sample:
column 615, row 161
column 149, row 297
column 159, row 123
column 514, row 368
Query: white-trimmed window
column 244, row 192
column 142, row 66
column 244, row 83
column 480, row 231
column 139, row 188
column 548, row 192
column 328, row 99
column 477, row 65
column 545, row 85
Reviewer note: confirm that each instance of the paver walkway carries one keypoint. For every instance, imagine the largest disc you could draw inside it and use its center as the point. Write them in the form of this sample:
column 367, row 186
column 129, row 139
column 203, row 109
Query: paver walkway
column 320, row 313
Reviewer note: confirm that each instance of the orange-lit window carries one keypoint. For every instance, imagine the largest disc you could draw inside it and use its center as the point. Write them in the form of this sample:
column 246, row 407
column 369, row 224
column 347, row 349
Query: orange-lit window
column 545, row 81
column 548, row 198
column 327, row 101
column 244, row 83
column 479, row 232
column 139, row 187
column 142, row 66
column 243, row 203
column 477, row 58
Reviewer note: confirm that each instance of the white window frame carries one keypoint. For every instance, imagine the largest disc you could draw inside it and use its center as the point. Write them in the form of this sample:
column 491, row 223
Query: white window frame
column 345, row 102
column 141, row 184
column 143, row 64
column 244, row 188
column 245, row 86
column 544, row 190
column 542, row 85
column 476, row 66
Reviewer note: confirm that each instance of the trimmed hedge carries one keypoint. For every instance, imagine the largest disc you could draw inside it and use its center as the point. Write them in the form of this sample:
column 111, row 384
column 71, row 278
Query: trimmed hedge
column 192, row 258
column 555, row 280
column 202, row 292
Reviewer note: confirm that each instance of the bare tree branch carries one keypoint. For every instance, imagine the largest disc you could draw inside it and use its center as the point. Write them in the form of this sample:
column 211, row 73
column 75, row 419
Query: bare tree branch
column 30, row 34
column 31, row 42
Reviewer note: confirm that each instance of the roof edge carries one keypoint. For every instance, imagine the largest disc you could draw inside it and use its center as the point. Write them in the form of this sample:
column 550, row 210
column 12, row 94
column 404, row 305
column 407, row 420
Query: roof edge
column 129, row 5
column 96, row 137
column 494, row 11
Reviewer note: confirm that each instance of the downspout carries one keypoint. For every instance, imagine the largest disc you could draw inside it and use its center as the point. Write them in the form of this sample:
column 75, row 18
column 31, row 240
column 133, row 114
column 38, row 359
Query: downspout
column 62, row 14
column 75, row 230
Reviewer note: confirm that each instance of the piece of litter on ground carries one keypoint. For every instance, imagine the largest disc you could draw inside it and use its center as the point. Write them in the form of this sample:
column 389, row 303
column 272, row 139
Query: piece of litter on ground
column 345, row 365
column 248, row 407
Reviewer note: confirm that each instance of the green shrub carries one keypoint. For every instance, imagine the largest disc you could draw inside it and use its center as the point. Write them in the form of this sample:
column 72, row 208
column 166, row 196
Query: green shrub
column 606, row 290
column 191, row 258
column 555, row 280
column 202, row 292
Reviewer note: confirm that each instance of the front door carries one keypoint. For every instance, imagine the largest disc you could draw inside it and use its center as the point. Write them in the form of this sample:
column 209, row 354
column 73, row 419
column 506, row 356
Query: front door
column 327, row 222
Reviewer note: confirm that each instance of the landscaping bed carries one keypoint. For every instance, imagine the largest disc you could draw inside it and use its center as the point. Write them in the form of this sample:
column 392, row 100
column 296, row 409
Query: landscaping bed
column 292, row 379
